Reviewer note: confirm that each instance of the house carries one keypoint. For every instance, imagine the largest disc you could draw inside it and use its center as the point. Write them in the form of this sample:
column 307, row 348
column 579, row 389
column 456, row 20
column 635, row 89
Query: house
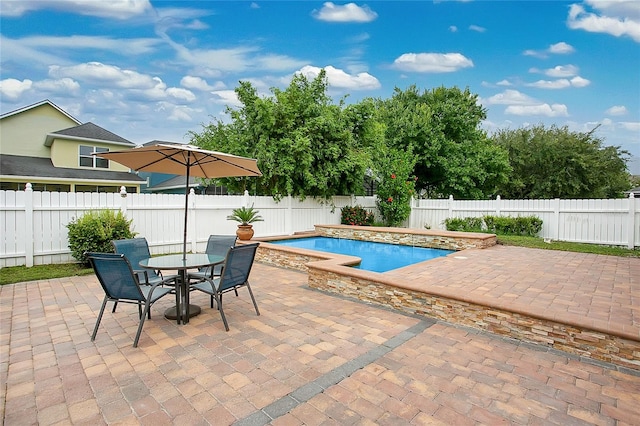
column 43, row 145
column 634, row 191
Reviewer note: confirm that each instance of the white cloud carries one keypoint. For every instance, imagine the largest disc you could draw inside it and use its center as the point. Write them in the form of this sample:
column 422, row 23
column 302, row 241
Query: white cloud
column 633, row 126
column 118, row 9
column 555, row 110
column 618, row 24
column 13, row 89
column 107, row 74
column 477, row 28
column 432, row 62
column 63, row 86
column 562, row 71
column 349, row 12
column 578, row 81
column 560, row 48
column 617, row 110
column 511, row 97
column 453, row 29
column 562, row 83
column 136, row 46
column 546, row 84
column 139, row 85
column 504, row 83
column 226, row 97
column 197, row 83
column 274, row 62
column 339, row 79
column 181, row 94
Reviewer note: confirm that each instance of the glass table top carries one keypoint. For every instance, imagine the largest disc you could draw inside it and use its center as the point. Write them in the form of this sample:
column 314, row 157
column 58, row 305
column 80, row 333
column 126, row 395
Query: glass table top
column 179, row 261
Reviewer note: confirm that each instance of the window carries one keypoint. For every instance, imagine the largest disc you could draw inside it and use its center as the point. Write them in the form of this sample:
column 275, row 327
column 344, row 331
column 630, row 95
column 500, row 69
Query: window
column 89, row 160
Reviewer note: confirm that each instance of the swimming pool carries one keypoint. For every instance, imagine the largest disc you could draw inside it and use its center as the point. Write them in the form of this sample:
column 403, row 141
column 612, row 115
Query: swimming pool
column 376, row 257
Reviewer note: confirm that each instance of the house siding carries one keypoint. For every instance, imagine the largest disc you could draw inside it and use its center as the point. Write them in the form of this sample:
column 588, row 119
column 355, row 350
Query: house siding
column 24, row 133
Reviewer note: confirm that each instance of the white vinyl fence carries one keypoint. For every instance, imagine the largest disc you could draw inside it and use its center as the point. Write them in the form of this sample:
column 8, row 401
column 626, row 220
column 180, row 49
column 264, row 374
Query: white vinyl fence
column 597, row 221
column 33, row 224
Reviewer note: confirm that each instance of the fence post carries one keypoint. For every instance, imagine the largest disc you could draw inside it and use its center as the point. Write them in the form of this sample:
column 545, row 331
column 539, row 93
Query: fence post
column 289, row 216
column 123, row 200
column 498, row 205
column 450, row 206
column 631, row 237
column 192, row 221
column 556, row 218
column 28, row 213
column 245, row 199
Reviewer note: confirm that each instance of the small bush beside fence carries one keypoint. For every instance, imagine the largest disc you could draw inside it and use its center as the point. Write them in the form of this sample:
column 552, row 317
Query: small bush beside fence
column 94, row 231
column 356, row 216
column 528, row 226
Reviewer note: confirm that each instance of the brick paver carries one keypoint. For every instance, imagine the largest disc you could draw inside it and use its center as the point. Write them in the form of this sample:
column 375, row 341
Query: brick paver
column 310, row 358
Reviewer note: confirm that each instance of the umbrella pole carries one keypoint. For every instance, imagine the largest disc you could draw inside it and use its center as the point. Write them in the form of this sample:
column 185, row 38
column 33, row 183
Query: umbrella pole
column 186, row 208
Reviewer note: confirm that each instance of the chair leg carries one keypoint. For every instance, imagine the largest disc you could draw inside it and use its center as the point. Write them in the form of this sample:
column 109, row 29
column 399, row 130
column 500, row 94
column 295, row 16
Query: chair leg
column 147, row 308
column 95, row 329
column 255, row 305
column 218, row 297
column 115, row 305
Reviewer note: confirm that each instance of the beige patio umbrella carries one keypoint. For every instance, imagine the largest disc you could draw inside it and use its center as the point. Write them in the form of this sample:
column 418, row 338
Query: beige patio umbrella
column 187, row 160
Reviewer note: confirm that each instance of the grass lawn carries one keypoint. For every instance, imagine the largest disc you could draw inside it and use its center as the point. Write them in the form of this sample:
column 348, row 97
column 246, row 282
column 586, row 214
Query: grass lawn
column 18, row 274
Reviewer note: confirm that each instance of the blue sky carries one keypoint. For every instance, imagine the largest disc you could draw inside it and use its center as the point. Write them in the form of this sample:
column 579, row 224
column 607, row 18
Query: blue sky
column 150, row 70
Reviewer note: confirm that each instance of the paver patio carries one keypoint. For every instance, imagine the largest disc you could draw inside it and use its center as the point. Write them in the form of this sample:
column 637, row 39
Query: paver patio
column 314, row 358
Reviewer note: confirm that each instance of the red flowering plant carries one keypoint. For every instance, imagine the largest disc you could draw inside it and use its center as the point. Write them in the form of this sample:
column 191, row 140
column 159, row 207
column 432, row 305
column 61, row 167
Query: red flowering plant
column 356, row 216
column 396, row 186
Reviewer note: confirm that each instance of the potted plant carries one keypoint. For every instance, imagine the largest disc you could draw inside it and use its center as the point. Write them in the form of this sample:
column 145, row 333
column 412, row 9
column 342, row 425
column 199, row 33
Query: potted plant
column 245, row 216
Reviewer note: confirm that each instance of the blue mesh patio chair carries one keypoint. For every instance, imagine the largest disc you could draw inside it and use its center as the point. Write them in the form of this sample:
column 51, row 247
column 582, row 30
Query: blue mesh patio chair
column 120, row 284
column 218, row 245
column 235, row 274
column 135, row 250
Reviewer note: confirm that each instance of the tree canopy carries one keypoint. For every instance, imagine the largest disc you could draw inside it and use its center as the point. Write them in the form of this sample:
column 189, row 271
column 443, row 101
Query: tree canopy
column 442, row 127
column 305, row 145
column 308, row 146
column 557, row 163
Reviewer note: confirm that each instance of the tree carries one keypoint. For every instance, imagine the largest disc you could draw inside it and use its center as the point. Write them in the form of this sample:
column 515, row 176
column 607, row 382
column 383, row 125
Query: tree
column 442, row 127
column 557, row 163
column 304, row 144
column 396, row 184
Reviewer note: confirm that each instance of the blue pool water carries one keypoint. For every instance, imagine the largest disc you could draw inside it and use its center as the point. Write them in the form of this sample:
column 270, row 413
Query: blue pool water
column 376, row 257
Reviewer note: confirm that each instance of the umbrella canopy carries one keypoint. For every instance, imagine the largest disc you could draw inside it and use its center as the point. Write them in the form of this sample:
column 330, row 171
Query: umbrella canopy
column 184, row 160
column 187, row 160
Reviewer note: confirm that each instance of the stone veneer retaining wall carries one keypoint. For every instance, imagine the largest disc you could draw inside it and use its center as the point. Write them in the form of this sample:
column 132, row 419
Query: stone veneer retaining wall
column 448, row 240
column 329, row 273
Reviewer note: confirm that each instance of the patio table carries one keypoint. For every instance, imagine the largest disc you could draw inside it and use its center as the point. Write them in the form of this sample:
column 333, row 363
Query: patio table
column 182, row 263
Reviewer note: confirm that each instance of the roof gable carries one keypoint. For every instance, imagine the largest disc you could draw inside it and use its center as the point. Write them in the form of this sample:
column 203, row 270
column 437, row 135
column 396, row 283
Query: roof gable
column 37, row 105
column 87, row 131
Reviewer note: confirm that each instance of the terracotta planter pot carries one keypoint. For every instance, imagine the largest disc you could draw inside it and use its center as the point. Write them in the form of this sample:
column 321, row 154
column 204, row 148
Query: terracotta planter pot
column 245, row 232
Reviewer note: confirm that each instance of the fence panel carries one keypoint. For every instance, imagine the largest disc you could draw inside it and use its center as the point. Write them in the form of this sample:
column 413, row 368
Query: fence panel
column 34, row 223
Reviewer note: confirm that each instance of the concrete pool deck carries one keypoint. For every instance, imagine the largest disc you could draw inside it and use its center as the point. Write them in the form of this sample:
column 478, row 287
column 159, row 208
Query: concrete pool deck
column 315, row 358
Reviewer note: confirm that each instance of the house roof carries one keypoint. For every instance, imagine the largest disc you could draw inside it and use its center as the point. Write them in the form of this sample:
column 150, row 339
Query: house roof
column 155, row 142
column 37, row 104
column 87, row 131
column 174, row 183
column 37, row 167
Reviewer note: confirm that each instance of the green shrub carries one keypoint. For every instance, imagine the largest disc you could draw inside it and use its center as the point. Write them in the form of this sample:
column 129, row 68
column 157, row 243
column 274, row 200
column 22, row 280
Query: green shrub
column 356, row 215
column 528, row 226
column 467, row 224
column 94, row 231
